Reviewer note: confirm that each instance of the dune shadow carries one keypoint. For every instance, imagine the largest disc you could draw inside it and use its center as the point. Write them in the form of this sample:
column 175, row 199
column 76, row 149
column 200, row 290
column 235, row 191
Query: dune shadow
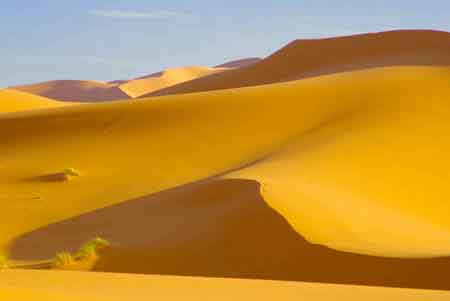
column 49, row 178
column 220, row 228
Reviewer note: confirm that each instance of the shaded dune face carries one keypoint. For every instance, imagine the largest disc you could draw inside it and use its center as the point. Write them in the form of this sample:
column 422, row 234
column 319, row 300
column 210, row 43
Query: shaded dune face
column 307, row 58
column 239, row 63
column 220, row 228
column 74, row 90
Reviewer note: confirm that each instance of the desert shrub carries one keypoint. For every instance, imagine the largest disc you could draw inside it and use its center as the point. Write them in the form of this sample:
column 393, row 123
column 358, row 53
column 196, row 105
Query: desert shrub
column 90, row 248
column 63, row 259
column 4, row 262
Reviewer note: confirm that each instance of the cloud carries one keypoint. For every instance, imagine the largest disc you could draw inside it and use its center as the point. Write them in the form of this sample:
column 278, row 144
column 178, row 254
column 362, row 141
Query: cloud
column 130, row 14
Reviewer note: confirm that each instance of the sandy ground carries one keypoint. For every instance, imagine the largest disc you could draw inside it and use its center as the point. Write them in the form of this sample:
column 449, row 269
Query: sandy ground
column 68, row 286
column 220, row 228
column 16, row 101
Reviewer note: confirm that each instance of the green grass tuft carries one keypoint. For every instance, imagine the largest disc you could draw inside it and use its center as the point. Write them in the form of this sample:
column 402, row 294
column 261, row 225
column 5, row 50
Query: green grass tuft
column 90, row 248
column 4, row 262
column 63, row 259
column 71, row 172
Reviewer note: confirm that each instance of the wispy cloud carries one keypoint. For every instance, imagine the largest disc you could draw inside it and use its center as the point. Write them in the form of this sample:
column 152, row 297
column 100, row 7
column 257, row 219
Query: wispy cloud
column 130, row 14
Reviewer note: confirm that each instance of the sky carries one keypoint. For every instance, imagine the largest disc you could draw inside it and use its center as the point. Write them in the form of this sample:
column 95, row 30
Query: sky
column 108, row 40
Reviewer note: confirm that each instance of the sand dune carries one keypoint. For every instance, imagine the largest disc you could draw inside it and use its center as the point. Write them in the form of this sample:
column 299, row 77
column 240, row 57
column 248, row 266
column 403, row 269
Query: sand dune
column 307, row 58
column 167, row 78
column 75, row 90
column 13, row 101
column 68, row 286
column 239, row 63
column 220, row 228
column 320, row 148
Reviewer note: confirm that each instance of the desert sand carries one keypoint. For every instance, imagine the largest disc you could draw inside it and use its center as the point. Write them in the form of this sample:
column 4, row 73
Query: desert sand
column 239, row 63
column 307, row 58
column 15, row 101
column 211, row 229
column 95, row 91
column 257, row 185
column 167, row 78
column 317, row 122
column 68, row 286
column 75, row 90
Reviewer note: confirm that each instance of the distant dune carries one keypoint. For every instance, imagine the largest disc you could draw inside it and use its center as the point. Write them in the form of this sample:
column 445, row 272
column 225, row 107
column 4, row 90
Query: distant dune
column 12, row 101
column 307, row 58
column 239, row 63
column 167, row 78
column 75, row 90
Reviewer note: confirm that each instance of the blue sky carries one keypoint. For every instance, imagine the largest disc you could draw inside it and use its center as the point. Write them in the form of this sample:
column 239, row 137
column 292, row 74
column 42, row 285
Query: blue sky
column 107, row 39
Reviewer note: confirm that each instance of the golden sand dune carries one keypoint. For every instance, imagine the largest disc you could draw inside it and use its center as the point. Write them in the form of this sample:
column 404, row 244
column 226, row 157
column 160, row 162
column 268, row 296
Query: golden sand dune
column 356, row 161
column 68, row 286
column 75, row 90
column 307, row 58
column 167, row 78
column 13, row 101
column 220, row 228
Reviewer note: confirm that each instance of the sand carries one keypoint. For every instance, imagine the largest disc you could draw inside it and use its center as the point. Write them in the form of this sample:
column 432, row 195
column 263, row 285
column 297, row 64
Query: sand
column 219, row 228
column 308, row 58
column 306, row 138
column 68, row 286
column 15, row 101
column 75, row 90
column 167, row 78
column 239, row 63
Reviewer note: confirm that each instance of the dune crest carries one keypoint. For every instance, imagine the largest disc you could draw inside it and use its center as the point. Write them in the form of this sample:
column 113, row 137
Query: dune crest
column 13, row 101
column 167, row 78
column 75, row 90
column 239, row 63
column 309, row 58
column 320, row 148
column 219, row 228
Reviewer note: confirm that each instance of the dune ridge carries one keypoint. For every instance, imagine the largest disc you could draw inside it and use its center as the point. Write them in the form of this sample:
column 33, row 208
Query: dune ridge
column 239, row 63
column 75, row 90
column 299, row 135
column 219, row 228
column 314, row 57
column 14, row 101
column 166, row 78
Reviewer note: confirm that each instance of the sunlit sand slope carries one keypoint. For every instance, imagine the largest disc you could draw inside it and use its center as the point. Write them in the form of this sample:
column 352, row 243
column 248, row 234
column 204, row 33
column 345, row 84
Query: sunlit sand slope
column 12, row 101
column 355, row 161
column 306, row 58
column 68, row 286
column 219, row 228
column 75, row 90
column 169, row 77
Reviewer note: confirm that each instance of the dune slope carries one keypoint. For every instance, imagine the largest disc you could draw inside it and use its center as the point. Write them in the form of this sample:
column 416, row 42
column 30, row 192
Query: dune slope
column 219, row 228
column 307, row 58
column 167, row 78
column 65, row 286
column 75, row 90
column 239, row 63
column 322, row 149
column 13, row 101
